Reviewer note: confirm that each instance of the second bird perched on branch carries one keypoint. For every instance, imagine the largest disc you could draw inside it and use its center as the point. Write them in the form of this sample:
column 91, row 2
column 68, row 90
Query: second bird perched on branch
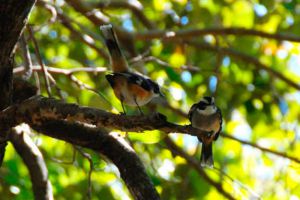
column 206, row 116
column 130, row 88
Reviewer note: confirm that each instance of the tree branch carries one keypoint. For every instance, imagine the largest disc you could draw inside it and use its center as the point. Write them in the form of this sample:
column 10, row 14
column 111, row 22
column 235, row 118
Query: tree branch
column 263, row 149
column 130, row 166
column 97, row 18
column 40, row 60
column 35, row 163
column 54, row 70
column 135, row 7
column 38, row 109
column 63, row 125
column 86, row 39
column 27, row 72
column 192, row 33
column 244, row 57
column 195, row 164
column 13, row 15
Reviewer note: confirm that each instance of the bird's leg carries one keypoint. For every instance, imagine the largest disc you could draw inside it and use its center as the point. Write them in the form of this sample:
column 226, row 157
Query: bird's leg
column 124, row 112
column 122, row 99
column 141, row 112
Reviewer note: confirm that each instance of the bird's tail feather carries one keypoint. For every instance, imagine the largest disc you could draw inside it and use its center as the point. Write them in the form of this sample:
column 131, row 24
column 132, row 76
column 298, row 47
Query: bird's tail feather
column 206, row 158
column 118, row 60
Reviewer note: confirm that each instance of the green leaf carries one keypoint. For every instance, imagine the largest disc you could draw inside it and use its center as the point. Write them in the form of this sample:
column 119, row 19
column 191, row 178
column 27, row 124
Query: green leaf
column 147, row 137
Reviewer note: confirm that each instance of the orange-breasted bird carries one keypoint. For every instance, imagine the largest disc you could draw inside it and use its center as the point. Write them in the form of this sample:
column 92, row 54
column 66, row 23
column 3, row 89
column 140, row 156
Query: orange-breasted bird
column 130, row 88
column 206, row 116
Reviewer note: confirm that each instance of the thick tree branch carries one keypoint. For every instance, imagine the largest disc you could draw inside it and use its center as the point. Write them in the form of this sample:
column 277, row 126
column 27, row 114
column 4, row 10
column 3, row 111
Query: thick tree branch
column 34, row 161
column 130, row 166
column 193, row 33
column 38, row 109
column 13, row 15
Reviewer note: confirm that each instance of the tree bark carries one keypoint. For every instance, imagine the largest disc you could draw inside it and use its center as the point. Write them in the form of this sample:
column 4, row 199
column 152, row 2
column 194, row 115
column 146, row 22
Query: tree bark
column 131, row 168
column 34, row 161
column 72, row 123
column 13, row 17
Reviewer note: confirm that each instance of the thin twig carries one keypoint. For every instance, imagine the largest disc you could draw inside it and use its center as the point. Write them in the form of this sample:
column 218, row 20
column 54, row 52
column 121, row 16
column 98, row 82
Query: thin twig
column 249, row 59
column 37, row 52
column 193, row 33
column 219, row 58
column 37, row 82
column 51, row 9
column 235, row 181
column 97, row 18
column 89, row 158
column 281, row 154
column 83, row 38
column 54, row 70
column 164, row 63
column 71, row 162
column 82, row 85
column 27, row 58
column 195, row 164
column 135, row 7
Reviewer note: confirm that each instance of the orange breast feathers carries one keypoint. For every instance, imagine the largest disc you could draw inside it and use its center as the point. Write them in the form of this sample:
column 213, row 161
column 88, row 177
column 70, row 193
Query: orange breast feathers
column 130, row 93
column 140, row 93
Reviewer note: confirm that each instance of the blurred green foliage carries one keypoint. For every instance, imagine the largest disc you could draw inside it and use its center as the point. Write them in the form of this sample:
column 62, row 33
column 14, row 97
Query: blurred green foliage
column 257, row 106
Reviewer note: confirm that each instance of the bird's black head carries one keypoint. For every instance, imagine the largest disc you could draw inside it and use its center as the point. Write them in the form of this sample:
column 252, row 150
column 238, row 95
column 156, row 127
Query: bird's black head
column 155, row 87
column 206, row 101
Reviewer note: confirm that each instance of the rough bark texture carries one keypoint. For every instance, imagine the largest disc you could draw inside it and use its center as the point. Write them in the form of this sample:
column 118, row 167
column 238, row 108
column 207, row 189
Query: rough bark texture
column 66, row 122
column 33, row 159
column 13, row 17
column 38, row 110
column 130, row 166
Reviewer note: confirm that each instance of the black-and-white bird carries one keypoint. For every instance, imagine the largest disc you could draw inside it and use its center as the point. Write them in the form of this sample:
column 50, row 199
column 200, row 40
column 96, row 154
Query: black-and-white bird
column 206, row 116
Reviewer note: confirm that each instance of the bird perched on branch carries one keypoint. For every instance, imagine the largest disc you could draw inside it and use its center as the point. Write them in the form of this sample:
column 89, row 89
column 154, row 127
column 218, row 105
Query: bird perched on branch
column 205, row 116
column 130, row 88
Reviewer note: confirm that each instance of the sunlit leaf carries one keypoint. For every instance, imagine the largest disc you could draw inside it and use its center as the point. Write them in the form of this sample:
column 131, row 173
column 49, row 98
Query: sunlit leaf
column 147, row 137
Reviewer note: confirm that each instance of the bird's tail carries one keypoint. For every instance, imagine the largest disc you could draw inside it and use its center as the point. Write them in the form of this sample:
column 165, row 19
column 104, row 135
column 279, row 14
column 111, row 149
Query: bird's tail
column 118, row 60
column 206, row 158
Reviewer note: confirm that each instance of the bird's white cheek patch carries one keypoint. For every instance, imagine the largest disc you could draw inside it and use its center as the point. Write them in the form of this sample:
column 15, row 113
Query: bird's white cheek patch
column 208, row 110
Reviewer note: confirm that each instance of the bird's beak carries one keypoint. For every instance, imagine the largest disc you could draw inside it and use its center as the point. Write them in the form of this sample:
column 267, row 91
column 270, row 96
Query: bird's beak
column 161, row 95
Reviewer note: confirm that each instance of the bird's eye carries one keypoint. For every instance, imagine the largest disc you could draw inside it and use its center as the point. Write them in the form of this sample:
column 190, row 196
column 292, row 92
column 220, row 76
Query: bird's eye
column 201, row 106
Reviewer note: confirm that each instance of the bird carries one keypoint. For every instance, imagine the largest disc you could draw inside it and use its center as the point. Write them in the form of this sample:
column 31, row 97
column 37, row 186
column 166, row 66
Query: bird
column 131, row 88
column 207, row 117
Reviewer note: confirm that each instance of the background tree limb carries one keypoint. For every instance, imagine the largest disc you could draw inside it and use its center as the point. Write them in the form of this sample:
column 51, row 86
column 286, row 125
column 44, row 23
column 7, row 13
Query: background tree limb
column 34, row 161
